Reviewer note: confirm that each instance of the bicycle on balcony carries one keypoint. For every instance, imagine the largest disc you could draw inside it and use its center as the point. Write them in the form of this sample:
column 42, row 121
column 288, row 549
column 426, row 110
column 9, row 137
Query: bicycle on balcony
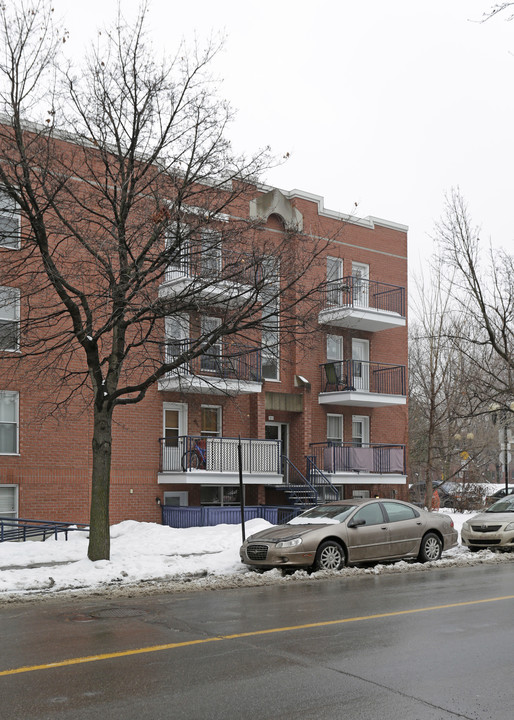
column 195, row 458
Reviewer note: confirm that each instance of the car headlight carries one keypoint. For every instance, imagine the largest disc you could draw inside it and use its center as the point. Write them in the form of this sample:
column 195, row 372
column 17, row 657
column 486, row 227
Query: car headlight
column 465, row 526
column 509, row 527
column 289, row 543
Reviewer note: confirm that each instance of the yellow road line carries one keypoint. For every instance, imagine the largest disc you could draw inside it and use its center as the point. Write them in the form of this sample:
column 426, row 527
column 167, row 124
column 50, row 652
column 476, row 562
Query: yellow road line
column 253, row 633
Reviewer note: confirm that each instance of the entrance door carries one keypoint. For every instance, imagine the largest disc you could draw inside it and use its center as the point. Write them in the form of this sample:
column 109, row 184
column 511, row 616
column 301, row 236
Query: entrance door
column 360, row 273
column 175, row 427
column 279, row 431
column 360, row 364
column 9, row 501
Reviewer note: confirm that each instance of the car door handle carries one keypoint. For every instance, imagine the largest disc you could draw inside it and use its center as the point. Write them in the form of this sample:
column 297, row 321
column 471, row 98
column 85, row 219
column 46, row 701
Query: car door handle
column 384, row 527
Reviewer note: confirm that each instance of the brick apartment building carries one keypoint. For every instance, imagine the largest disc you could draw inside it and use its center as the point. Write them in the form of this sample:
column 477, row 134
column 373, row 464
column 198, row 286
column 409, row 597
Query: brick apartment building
column 320, row 417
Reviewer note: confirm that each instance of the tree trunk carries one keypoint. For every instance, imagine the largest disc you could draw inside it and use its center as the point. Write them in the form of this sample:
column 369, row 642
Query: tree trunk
column 99, row 538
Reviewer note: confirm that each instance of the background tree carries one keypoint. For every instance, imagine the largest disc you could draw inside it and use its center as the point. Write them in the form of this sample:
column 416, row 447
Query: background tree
column 483, row 290
column 448, row 438
column 121, row 173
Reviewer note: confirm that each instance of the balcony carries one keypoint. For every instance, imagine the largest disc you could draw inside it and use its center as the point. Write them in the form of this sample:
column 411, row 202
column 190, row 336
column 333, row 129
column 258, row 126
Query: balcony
column 228, row 370
column 362, row 384
column 214, row 460
column 371, row 463
column 361, row 304
column 219, row 276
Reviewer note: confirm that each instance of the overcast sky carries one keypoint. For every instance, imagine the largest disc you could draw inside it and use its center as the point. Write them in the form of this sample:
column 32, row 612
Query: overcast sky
column 387, row 103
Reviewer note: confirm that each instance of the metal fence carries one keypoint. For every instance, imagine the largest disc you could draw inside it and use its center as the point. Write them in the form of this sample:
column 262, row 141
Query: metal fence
column 185, row 517
column 364, row 376
column 13, row 529
column 226, row 360
column 359, row 292
column 220, row 454
column 369, row 458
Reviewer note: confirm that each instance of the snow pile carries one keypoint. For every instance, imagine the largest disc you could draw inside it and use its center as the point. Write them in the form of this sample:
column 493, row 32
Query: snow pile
column 147, row 556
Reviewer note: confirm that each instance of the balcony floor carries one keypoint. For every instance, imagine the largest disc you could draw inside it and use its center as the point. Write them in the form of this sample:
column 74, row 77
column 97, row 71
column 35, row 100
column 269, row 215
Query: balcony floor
column 365, row 478
column 208, row 385
column 366, row 319
column 214, row 477
column 360, row 398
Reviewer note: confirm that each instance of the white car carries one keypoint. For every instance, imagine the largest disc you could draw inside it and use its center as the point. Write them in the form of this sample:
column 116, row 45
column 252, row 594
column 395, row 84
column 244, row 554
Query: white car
column 493, row 528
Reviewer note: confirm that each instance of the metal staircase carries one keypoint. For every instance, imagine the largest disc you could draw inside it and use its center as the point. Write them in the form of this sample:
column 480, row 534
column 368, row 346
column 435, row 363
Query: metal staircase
column 318, row 479
column 299, row 491
column 306, row 490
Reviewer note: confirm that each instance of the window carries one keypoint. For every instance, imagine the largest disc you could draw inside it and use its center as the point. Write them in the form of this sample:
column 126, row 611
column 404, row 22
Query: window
column 211, row 421
column 171, row 428
column 9, row 500
column 371, row 514
column 360, row 430
column 334, row 277
column 9, row 318
column 9, row 222
column 335, row 429
column 176, row 332
column 335, row 353
column 211, row 253
column 211, row 359
column 270, row 327
column 8, row 422
column 334, row 347
column 177, row 242
column 360, row 273
column 397, row 512
column 176, row 499
column 220, row 495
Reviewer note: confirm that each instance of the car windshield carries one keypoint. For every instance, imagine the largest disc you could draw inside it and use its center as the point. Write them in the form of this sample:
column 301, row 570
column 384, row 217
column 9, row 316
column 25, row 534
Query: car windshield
column 505, row 505
column 324, row 515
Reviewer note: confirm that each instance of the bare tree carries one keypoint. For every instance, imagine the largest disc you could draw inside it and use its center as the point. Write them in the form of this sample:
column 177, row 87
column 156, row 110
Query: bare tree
column 483, row 290
column 432, row 372
column 122, row 175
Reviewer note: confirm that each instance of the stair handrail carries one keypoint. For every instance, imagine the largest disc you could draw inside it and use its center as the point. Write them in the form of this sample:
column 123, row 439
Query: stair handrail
column 313, row 467
column 15, row 528
column 286, row 460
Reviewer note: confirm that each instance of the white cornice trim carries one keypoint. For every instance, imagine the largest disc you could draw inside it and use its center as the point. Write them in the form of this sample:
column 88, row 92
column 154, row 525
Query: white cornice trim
column 369, row 222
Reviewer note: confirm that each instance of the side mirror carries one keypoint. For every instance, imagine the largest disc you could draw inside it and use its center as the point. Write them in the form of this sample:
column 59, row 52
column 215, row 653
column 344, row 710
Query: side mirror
column 356, row 523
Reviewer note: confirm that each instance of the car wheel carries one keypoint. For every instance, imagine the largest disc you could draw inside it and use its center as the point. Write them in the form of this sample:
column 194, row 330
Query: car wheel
column 431, row 548
column 330, row 556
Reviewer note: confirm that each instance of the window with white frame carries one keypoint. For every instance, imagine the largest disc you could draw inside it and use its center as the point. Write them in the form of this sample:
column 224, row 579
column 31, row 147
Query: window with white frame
column 9, row 318
column 176, row 330
column 9, row 222
column 360, row 430
column 211, row 359
column 9, row 413
column 177, row 245
column 334, row 278
column 360, row 273
column 335, row 429
column 270, row 327
column 211, row 253
column 334, row 347
column 211, row 421
column 179, row 498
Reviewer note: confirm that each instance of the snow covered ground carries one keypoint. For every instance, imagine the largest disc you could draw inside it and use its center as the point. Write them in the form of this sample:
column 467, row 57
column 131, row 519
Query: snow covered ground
column 147, row 557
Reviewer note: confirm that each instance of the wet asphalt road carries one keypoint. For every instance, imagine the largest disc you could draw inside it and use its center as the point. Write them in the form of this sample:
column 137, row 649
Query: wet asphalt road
column 381, row 648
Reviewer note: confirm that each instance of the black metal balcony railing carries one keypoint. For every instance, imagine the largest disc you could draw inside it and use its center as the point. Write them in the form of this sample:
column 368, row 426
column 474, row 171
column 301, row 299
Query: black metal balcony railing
column 370, row 458
column 364, row 376
column 216, row 264
column 230, row 362
column 358, row 292
column 220, row 454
